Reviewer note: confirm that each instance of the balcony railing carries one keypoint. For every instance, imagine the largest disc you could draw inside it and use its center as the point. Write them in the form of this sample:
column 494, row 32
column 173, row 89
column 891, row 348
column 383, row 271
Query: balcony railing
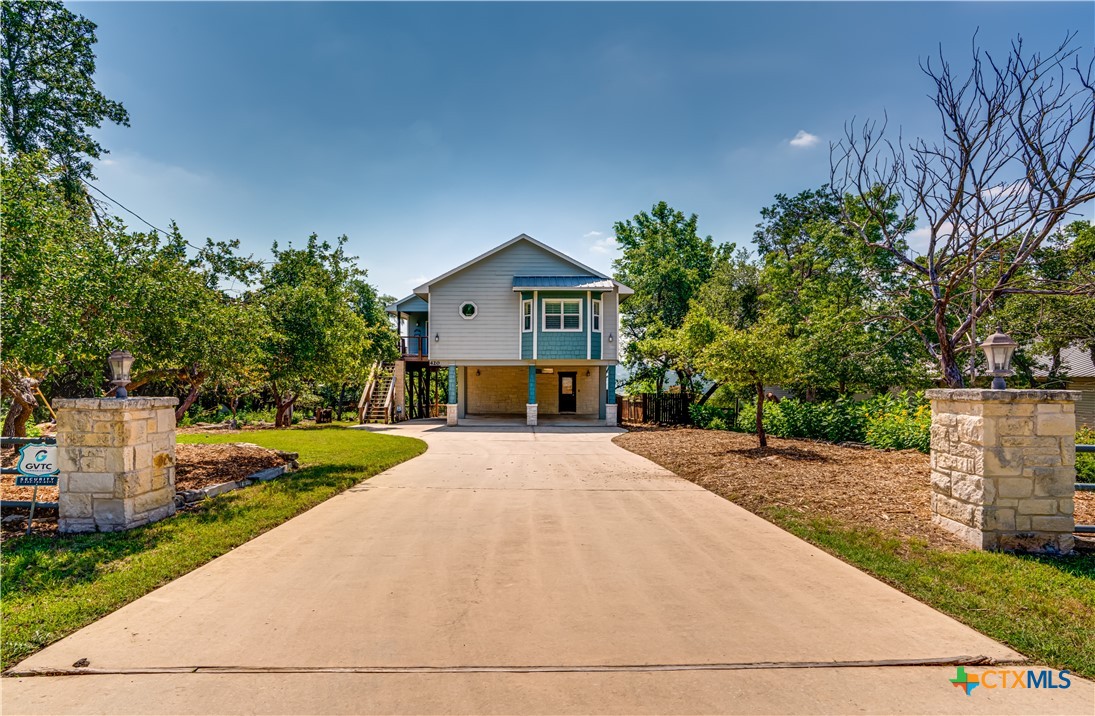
column 414, row 346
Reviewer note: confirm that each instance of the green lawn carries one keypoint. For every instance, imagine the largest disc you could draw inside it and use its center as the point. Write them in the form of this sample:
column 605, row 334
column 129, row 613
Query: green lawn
column 1043, row 607
column 52, row 586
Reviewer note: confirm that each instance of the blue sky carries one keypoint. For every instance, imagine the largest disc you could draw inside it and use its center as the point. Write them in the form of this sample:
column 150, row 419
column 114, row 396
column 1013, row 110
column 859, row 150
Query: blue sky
column 429, row 133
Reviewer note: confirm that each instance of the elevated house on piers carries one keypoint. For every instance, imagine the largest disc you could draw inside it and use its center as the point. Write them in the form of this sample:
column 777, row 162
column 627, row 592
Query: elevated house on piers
column 523, row 331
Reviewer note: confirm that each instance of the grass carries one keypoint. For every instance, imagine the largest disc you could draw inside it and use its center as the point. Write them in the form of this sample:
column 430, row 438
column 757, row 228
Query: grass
column 52, row 586
column 1043, row 607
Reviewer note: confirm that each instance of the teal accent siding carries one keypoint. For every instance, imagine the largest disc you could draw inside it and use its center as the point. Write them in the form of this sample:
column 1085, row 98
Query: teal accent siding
column 526, row 346
column 532, row 385
column 611, row 385
column 452, row 385
column 565, row 345
column 526, row 338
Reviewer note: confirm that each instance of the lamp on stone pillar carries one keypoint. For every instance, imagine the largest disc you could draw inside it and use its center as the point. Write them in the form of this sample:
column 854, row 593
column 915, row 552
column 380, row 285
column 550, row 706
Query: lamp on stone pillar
column 120, row 364
column 998, row 348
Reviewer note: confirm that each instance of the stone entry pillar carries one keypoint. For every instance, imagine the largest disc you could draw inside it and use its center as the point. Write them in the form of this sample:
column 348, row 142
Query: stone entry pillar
column 117, row 462
column 1003, row 467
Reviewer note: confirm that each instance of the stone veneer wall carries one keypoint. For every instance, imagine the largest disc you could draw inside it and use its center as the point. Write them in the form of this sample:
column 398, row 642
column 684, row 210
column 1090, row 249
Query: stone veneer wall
column 117, row 461
column 1003, row 467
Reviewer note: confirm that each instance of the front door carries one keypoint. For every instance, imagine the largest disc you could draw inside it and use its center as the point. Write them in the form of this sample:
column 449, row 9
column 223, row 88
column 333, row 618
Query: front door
column 568, row 392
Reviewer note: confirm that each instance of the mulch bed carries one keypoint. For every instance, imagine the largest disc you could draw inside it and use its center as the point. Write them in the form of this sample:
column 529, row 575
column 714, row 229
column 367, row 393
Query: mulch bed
column 886, row 490
column 196, row 467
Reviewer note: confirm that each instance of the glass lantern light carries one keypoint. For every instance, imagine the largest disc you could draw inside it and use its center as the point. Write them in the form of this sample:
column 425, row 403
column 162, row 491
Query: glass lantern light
column 999, row 348
column 120, row 364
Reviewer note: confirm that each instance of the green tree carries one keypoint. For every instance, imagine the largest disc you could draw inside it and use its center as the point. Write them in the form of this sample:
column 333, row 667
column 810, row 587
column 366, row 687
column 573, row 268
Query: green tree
column 311, row 296
column 746, row 359
column 666, row 261
column 48, row 90
column 832, row 293
column 73, row 292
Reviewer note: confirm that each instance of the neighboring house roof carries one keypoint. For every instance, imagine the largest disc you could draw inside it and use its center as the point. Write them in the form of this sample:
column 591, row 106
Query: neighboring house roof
column 583, row 282
column 424, row 289
column 410, row 304
column 1076, row 362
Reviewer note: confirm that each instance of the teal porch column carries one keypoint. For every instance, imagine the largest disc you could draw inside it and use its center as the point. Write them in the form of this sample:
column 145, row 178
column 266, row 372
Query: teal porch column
column 611, row 385
column 452, row 384
column 532, row 385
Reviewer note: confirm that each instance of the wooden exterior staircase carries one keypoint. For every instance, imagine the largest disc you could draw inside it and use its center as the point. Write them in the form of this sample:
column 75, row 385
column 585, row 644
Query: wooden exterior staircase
column 377, row 404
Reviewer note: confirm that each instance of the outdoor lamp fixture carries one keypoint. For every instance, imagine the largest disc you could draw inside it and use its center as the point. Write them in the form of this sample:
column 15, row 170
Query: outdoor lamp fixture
column 477, row 371
column 120, row 363
column 999, row 348
column 587, row 373
column 436, row 337
column 611, row 338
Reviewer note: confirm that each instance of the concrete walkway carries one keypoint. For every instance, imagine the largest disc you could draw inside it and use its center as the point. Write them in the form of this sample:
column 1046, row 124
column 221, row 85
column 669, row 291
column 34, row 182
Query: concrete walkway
column 511, row 570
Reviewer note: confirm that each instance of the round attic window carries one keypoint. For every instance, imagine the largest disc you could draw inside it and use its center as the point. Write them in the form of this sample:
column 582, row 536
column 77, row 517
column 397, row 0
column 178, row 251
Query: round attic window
column 468, row 310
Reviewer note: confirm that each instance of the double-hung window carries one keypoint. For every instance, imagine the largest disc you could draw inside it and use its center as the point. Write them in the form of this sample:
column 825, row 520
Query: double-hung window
column 563, row 314
column 526, row 316
column 595, row 316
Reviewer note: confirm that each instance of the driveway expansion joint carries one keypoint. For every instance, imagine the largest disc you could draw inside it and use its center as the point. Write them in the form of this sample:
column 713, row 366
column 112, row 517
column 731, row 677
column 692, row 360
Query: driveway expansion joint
column 964, row 660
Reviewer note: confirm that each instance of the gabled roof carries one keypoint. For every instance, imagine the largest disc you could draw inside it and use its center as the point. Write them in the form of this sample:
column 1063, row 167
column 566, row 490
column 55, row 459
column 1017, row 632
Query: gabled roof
column 410, row 304
column 582, row 282
column 424, row 289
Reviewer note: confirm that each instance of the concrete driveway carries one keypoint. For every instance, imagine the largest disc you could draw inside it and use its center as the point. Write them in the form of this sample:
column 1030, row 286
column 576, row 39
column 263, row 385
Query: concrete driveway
column 511, row 570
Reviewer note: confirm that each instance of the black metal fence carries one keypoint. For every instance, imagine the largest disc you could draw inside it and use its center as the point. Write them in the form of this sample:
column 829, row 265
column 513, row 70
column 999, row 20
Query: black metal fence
column 1085, row 487
column 662, row 409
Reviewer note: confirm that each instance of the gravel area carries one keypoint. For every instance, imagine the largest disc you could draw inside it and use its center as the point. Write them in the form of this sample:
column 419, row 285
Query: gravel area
column 887, row 490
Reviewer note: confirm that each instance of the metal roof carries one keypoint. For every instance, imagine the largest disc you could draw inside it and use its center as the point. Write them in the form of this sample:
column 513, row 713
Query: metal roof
column 1076, row 362
column 582, row 282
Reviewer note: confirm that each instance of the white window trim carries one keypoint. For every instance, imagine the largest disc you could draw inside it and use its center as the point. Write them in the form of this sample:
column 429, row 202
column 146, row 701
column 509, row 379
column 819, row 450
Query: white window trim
column 544, row 315
column 531, row 317
column 599, row 315
column 461, row 310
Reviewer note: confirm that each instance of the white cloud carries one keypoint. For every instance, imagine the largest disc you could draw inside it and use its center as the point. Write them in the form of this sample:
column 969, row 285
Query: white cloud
column 593, row 235
column 602, row 244
column 804, row 139
column 417, row 280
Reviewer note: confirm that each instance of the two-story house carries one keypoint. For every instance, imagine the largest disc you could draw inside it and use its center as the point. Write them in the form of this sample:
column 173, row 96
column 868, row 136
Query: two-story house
column 523, row 329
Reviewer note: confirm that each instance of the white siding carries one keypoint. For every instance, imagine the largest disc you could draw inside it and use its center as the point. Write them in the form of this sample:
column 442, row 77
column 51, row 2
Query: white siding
column 492, row 334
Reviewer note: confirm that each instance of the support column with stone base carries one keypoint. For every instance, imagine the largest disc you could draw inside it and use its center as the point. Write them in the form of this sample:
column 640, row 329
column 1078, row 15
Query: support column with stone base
column 1003, row 467
column 452, row 408
column 532, row 409
column 117, row 462
column 610, row 398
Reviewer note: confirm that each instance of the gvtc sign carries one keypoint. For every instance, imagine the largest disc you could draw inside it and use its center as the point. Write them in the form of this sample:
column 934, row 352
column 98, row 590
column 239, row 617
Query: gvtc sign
column 37, row 465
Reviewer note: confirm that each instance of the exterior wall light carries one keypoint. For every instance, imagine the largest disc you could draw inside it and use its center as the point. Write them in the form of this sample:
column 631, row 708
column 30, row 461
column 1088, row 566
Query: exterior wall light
column 436, row 337
column 998, row 348
column 611, row 338
column 120, row 363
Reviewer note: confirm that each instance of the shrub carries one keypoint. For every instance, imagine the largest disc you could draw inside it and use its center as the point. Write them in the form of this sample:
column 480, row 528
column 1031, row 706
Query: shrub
column 899, row 423
column 885, row 421
column 711, row 418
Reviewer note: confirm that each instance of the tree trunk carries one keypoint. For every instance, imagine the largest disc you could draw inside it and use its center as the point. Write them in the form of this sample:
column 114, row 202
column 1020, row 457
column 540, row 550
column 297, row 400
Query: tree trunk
column 341, row 399
column 707, row 394
column 948, row 366
column 283, row 418
column 23, row 403
column 761, row 437
column 195, row 386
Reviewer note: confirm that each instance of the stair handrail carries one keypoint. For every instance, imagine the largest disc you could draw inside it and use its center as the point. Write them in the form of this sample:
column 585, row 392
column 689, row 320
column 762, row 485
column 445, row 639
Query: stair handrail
column 367, row 393
column 388, row 401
